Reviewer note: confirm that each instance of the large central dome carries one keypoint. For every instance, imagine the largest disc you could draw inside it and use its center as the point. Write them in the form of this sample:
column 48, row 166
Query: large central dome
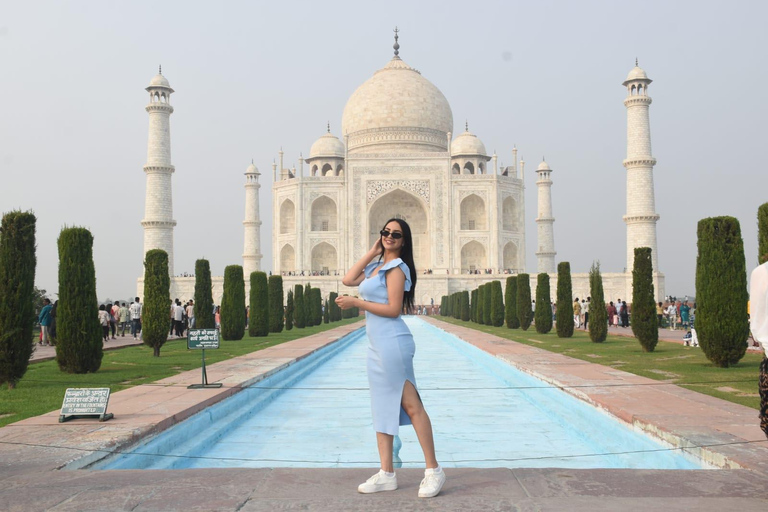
column 397, row 110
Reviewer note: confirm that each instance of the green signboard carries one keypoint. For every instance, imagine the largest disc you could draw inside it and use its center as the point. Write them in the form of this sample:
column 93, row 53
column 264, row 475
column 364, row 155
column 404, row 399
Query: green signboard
column 203, row 339
column 83, row 402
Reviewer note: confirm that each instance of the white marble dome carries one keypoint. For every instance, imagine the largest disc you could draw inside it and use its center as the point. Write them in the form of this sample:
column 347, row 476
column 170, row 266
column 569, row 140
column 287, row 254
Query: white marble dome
column 467, row 144
column 328, row 146
column 159, row 81
column 397, row 107
column 252, row 169
column 543, row 166
column 637, row 73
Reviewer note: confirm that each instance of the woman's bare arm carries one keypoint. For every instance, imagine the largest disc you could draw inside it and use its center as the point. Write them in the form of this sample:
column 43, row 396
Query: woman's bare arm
column 395, row 287
column 355, row 274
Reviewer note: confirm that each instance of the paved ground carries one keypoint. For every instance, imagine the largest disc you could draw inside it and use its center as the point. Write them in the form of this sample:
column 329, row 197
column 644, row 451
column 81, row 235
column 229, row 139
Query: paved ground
column 33, row 450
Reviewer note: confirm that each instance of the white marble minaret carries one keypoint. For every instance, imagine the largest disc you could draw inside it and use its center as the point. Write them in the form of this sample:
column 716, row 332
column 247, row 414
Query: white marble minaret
column 641, row 214
column 252, row 223
column 158, row 220
column 545, row 220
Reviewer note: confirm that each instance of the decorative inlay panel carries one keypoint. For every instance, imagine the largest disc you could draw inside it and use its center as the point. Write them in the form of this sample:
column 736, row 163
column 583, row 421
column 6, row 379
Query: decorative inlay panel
column 378, row 187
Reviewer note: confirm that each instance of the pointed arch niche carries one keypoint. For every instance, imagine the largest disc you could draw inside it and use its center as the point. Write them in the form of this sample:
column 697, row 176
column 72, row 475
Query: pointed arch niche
column 324, row 257
column 473, row 213
column 473, row 257
column 509, row 215
column 287, row 217
column 402, row 205
column 287, row 258
column 509, row 256
column 324, row 214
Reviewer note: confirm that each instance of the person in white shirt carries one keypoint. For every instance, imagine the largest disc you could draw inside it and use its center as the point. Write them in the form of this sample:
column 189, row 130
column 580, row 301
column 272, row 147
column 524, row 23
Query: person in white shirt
column 672, row 314
column 178, row 319
column 191, row 314
column 135, row 311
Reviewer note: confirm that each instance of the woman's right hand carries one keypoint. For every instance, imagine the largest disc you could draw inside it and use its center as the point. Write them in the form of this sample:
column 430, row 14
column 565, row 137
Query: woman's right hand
column 377, row 248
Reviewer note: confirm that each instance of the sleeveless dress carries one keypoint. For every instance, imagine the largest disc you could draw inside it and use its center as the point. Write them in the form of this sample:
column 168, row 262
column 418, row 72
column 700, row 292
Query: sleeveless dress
column 390, row 351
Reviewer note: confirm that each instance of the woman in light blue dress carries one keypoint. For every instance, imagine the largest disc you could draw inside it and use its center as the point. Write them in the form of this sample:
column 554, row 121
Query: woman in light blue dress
column 387, row 286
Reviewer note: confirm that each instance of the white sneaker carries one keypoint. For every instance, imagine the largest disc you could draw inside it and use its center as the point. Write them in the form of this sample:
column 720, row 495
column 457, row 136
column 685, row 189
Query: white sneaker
column 432, row 483
column 378, row 482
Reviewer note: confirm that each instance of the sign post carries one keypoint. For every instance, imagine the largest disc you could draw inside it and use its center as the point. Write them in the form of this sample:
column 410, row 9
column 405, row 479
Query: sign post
column 202, row 339
column 85, row 402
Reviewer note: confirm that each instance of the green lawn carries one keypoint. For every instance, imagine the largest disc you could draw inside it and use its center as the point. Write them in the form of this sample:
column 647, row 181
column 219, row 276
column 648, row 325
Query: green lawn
column 671, row 362
column 42, row 388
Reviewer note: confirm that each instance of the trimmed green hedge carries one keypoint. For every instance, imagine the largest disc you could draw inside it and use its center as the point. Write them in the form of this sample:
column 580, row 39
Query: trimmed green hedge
column 233, row 304
column 275, row 303
column 510, row 300
column 524, row 312
column 157, row 300
column 204, row 317
column 645, row 323
column 259, row 305
column 598, row 315
column 564, row 313
column 543, row 313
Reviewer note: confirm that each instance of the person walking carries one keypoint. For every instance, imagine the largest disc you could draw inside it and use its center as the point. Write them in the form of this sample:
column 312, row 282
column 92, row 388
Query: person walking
column 123, row 317
column 576, row 313
column 191, row 314
column 178, row 318
column 685, row 312
column 45, row 322
column 113, row 311
column 660, row 312
column 613, row 317
column 104, row 321
column 624, row 314
column 387, row 287
column 585, row 311
column 136, row 318
column 672, row 314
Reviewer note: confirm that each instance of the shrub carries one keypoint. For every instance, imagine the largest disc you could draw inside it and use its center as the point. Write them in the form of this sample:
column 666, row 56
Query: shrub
column 326, row 313
column 510, row 300
column 204, row 318
column 721, row 291
column 645, row 324
column 332, row 306
column 497, row 304
column 308, row 317
column 17, row 287
column 564, row 313
column 465, row 305
column 487, row 304
column 317, row 306
column 456, row 305
column 233, row 304
column 157, row 286
column 473, row 306
column 298, row 296
column 543, row 313
column 276, row 304
column 79, row 346
column 259, row 305
column 598, row 315
column 524, row 313
column 480, row 305
column 289, row 311
column 762, row 233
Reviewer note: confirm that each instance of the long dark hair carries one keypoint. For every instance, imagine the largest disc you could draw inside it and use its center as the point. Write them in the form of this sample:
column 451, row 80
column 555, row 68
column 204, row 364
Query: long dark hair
column 406, row 254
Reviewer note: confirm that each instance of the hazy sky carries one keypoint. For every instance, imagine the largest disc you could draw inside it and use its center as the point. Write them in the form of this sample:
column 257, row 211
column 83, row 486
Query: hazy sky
column 251, row 77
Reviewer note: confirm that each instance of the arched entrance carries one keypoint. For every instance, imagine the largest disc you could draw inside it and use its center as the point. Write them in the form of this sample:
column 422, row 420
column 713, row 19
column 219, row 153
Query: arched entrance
column 402, row 205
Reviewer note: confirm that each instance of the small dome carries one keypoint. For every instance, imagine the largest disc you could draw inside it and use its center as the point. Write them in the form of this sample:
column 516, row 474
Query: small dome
column 467, row 144
column 327, row 146
column 637, row 73
column 159, row 81
column 543, row 166
column 252, row 169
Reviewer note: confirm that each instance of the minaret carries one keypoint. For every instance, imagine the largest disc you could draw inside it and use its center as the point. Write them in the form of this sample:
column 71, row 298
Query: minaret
column 252, row 223
column 641, row 214
column 158, row 220
column 545, row 220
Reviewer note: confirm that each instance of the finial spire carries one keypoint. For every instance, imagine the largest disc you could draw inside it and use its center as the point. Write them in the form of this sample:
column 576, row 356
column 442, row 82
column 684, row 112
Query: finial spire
column 466, row 125
column 329, row 127
column 636, row 65
column 251, row 160
column 160, row 70
column 396, row 46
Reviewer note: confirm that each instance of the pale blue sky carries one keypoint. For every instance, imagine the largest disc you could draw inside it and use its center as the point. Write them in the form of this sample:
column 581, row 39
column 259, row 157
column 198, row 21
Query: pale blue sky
column 254, row 76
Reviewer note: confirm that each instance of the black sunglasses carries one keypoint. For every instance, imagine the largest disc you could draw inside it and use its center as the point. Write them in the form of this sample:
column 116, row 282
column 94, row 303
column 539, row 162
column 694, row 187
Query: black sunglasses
column 395, row 236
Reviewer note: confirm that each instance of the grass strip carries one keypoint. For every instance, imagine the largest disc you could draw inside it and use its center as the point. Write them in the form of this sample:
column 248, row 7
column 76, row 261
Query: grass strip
column 674, row 363
column 42, row 388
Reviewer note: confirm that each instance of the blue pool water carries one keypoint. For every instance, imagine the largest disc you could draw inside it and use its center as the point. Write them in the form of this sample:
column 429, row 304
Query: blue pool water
column 316, row 413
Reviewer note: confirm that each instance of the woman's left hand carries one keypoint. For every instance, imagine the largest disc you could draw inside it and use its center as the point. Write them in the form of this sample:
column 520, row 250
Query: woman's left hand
column 346, row 302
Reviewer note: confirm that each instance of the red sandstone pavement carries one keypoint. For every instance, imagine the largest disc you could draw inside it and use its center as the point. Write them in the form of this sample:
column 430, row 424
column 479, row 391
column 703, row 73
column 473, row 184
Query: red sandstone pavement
column 33, row 451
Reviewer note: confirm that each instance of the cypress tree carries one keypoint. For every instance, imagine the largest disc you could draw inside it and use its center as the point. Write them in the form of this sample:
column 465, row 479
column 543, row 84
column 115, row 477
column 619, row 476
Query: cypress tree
column 543, row 313
column 298, row 296
column 79, row 345
column 497, row 304
column 456, row 305
column 564, row 313
column 233, row 304
column 524, row 313
column 510, row 301
column 308, row 318
column 465, row 305
column 762, row 233
column 598, row 315
column 487, row 304
column 157, row 298
column 480, row 304
column 645, row 324
column 473, row 306
column 17, row 285
column 335, row 317
column 289, row 311
column 204, row 318
column 276, row 309
column 317, row 306
column 326, row 313
column 259, row 305
column 721, row 291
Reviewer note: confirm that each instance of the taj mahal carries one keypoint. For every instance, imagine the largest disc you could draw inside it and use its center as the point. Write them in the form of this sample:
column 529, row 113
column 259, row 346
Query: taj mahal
column 397, row 155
